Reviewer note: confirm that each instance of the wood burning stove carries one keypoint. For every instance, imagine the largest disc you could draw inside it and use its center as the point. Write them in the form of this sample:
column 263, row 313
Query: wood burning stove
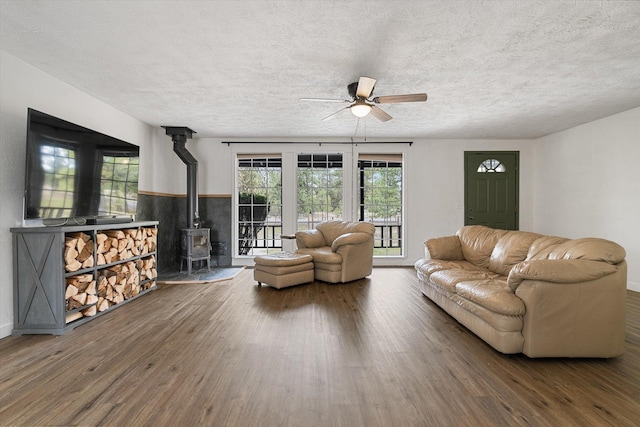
column 195, row 245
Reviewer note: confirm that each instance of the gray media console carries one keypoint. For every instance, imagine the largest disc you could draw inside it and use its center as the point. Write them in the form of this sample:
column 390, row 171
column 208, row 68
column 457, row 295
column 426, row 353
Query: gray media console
column 66, row 276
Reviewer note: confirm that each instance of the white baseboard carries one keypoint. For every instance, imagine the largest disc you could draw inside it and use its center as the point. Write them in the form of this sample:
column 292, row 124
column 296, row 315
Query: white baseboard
column 633, row 286
column 5, row 330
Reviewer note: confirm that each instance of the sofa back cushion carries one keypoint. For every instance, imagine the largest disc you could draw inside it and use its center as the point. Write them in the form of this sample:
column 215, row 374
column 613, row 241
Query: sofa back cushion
column 310, row 239
column 511, row 249
column 331, row 230
column 540, row 248
column 588, row 248
column 477, row 243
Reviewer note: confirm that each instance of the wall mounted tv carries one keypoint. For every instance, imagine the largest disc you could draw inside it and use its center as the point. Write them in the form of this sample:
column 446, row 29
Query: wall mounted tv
column 76, row 173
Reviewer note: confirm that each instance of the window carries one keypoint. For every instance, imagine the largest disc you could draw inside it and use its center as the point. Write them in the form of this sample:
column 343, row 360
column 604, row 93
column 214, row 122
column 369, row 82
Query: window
column 380, row 200
column 119, row 183
column 259, row 204
column 491, row 165
column 320, row 189
column 300, row 186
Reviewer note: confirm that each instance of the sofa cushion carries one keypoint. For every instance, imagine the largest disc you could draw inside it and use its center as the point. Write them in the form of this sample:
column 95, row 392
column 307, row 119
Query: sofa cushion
column 493, row 294
column 323, row 255
column 448, row 279
column 477, row 242
column 429, row 266
column 511, row 249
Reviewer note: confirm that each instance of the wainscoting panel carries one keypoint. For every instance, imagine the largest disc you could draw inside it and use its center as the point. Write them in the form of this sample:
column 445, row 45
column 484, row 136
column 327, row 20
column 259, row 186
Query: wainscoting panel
column 171, row 211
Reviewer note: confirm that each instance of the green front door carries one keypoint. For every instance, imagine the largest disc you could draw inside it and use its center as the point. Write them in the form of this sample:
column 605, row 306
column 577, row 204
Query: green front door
column 491, row 189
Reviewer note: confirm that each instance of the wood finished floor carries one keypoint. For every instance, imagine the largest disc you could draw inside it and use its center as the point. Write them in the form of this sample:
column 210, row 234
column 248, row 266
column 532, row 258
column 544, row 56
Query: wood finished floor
column 374, row 352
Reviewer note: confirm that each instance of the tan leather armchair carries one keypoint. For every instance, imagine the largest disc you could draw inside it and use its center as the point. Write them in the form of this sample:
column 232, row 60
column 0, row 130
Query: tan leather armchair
column 342, row 251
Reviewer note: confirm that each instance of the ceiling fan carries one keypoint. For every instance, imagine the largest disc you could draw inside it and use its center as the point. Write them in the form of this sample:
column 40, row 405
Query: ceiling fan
column 361, row 102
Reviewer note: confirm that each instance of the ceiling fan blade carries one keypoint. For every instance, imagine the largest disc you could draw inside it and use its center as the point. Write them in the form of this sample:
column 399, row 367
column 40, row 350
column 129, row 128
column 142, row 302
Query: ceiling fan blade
column 332, row 115
column 380, row 114
column 325, row 100
column 414, row 97
column 365, row 87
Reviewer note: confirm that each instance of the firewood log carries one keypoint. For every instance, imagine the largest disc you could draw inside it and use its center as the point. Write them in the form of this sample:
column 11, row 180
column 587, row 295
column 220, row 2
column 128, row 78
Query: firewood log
column 91, row 311
column 91, row 288
column 70, row 242
column 80, row 245
column 70, row 291
column 118, row 234
column 101, row 238
column 73, row 316
column 86, row 252
column 73, row 266
column 101, row 259
column 102, row 304
column 72, row 304
column 70, row 255
column 88, row 262
column 91, row 299
column 81, row 298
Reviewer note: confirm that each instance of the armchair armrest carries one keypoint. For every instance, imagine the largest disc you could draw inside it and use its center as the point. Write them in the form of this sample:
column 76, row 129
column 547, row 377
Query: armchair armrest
column 558, row 271
column 445, row 248
column 350, row 239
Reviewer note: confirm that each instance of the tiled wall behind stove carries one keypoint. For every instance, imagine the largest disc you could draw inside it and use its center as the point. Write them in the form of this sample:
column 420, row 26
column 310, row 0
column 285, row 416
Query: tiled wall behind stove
column 215, row 213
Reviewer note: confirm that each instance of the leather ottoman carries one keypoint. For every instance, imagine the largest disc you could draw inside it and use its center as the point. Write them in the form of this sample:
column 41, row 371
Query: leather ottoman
column 283, row 269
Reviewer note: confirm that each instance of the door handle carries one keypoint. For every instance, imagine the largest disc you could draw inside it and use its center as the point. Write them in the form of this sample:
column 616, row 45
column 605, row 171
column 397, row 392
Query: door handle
column 471, row 217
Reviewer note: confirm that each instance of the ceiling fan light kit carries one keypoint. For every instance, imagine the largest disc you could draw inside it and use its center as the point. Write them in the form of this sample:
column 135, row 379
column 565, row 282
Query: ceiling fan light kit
column 360, row 108
column 362, row 104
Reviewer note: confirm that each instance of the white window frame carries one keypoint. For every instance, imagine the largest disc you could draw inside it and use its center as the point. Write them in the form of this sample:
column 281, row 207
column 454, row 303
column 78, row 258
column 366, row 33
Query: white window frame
column 289, row 153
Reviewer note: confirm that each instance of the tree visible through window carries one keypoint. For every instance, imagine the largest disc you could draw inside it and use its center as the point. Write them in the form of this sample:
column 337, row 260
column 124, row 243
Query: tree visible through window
column 319, row 189
column 380, row 188
column 259, row 203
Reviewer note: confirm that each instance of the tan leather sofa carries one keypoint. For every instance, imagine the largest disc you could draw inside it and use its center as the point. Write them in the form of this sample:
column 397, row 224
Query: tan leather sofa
column 342, row 251
column 528, row 293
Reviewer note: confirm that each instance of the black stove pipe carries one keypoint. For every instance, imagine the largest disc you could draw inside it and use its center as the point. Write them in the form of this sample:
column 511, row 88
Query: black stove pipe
column 179, row 136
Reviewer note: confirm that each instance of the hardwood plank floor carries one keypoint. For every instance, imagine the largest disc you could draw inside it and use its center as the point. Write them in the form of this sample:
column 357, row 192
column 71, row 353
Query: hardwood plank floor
column 374, row 352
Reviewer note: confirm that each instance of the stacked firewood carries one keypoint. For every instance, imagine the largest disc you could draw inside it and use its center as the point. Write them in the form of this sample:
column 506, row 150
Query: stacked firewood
column 117, row 245
column 148, row 270
column 78, row 251
column 149, row 240
column 80, row 292
column 117, row 283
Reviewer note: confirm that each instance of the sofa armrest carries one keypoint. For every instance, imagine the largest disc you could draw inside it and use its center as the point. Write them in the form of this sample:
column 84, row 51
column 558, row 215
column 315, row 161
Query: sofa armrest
column 310, row 239
column 350, row 239
column 558, row 271
column 445, row 248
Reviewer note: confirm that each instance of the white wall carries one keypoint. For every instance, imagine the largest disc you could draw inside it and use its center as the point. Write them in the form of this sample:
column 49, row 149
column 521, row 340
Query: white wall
column 587, row 184
column 23, row 86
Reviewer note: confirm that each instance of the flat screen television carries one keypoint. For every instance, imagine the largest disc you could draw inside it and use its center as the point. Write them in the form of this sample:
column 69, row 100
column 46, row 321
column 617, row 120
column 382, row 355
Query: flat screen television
column 76, row 173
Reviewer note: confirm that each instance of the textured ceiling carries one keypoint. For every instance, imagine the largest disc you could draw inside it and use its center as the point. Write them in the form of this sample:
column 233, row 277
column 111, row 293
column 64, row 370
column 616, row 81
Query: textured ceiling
column 494, row 69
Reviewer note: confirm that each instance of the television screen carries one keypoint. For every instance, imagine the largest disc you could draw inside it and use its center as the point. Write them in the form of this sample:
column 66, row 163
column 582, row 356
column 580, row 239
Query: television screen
column 74, row 172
